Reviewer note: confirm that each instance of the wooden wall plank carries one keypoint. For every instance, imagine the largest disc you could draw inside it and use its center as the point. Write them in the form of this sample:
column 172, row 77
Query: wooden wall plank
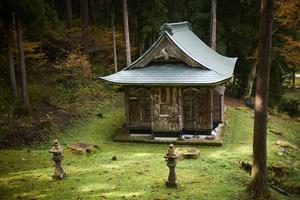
column 139, row 107
column 197, row 108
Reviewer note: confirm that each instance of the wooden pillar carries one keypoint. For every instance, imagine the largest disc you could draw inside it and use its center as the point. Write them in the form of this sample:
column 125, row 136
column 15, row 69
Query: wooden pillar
column 218, row 104
column 211, row 106
column 221, row 91
column 126, row 103
column 152, row 109
column 222, row 105
column 180, row 107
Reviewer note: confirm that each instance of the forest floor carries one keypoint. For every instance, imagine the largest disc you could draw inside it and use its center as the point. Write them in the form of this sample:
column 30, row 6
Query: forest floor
column 55, row 101
column 140, row 169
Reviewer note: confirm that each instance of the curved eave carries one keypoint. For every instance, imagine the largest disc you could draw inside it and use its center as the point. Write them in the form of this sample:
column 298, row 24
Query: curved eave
column 167, row 84
column 166, row 74
column 212, row 54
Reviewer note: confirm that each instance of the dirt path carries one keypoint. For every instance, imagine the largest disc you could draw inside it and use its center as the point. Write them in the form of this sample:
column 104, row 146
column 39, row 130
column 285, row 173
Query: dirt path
column 233, row 102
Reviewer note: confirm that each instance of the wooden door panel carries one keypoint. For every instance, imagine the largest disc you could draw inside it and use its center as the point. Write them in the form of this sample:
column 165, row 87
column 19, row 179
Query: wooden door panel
column 166, row 110
column 139, row 108
column 196, row 109
column 134, row 114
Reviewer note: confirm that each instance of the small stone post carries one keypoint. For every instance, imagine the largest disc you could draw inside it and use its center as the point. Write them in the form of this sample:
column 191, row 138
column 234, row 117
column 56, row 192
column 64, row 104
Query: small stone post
column 57, row 150
column 171, row 163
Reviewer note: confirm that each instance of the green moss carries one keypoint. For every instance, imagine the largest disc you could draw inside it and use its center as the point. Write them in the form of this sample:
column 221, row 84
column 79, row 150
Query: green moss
column 140, row 170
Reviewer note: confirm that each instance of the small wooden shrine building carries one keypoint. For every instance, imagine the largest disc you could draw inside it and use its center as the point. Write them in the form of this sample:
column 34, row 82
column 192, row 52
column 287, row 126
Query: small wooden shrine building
column 176, row 87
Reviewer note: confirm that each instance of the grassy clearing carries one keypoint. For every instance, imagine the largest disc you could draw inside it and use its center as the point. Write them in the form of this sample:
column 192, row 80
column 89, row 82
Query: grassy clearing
column 140, row 169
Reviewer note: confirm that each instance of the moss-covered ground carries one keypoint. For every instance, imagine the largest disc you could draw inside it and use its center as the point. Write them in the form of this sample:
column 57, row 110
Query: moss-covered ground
column 140, row 170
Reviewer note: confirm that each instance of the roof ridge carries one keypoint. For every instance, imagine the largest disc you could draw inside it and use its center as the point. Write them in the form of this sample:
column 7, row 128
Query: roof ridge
column 181, row 35
column 175, row 27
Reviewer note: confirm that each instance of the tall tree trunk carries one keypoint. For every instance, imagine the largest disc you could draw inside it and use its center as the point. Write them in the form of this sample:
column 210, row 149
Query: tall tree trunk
column 10, row 57
column 25, row 98
column 52, row 3
column 258, row 186
column 140, row 27
column 113, row 34
column 213, row 24
column 141, row 46
column 84, row 22
column 93, row 8
column 69, row 14
column 126, row 33
column 251, row 79
column 294, row 78
column 108, row 19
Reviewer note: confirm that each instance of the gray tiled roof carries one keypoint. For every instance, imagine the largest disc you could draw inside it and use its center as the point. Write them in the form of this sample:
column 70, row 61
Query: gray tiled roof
column 188, row 42
column 166, row 74
column 219, row 68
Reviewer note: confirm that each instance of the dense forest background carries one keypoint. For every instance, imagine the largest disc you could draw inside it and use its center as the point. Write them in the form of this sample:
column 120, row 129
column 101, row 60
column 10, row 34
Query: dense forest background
column 68, row 44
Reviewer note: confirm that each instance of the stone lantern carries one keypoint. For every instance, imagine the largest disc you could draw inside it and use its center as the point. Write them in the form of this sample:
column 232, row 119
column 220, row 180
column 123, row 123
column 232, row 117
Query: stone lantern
column 171, row 158
column 57, row 150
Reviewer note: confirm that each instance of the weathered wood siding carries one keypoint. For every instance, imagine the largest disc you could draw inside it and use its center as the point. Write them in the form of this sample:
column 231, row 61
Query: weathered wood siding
column 138, row 107
column 217, row 98
column 218, row 104
column 170, row 109
column 166, row 110
column 197, row 113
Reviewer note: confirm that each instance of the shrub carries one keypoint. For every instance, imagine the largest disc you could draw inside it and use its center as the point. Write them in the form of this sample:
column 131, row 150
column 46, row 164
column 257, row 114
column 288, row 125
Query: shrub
column 77, row 65
column 290, row 105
